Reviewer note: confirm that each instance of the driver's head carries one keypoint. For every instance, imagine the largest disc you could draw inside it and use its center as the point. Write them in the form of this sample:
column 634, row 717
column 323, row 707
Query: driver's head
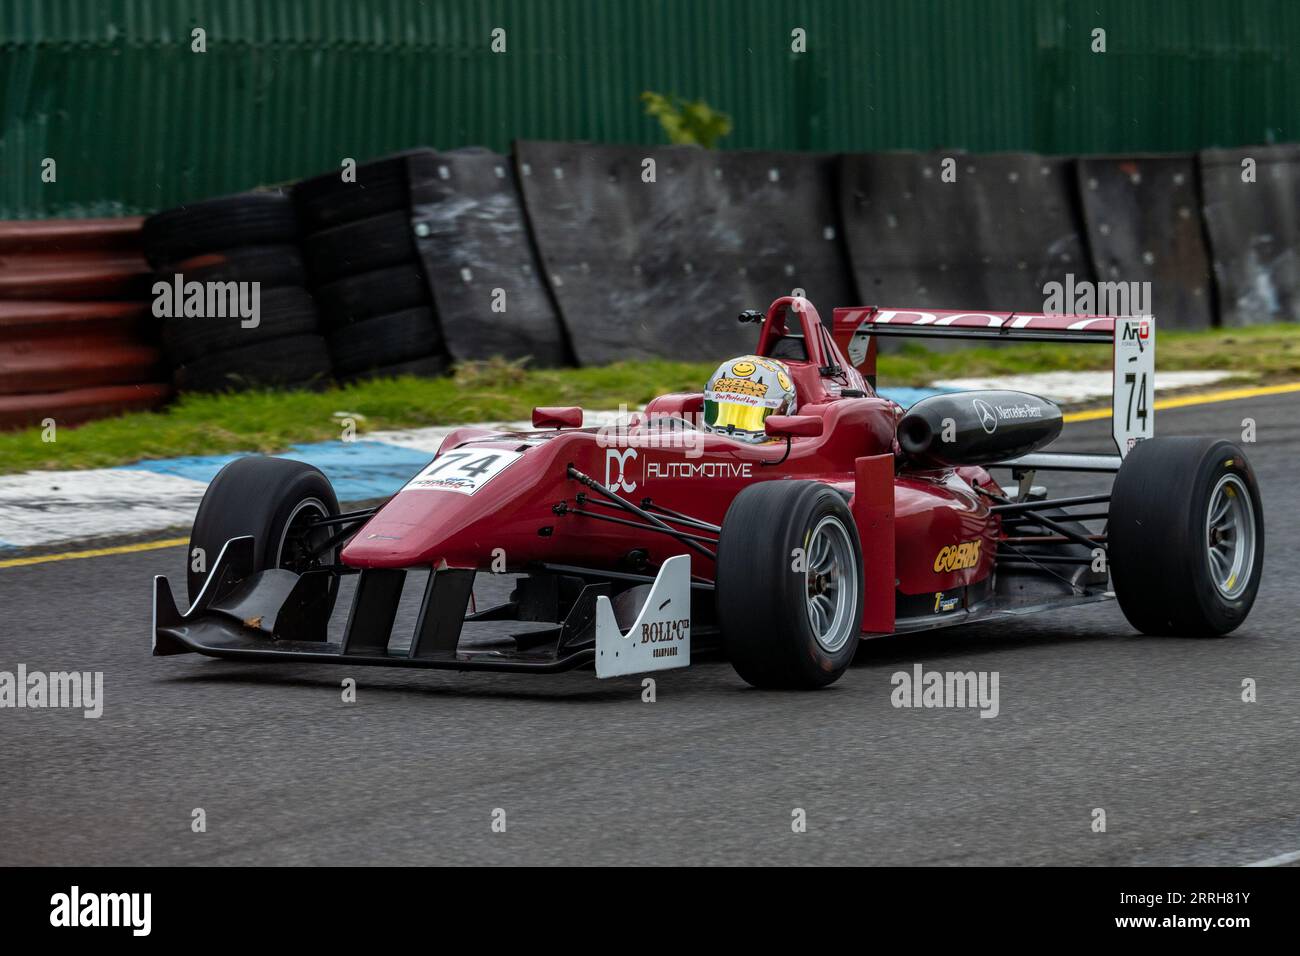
column 743, row 392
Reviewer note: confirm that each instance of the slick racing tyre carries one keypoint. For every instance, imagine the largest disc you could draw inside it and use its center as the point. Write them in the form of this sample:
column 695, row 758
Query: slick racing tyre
column 789, row 584
column 274, row 500
column 1186, row 536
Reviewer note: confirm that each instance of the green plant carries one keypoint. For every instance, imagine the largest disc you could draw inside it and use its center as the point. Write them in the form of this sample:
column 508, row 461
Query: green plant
column 687, row 123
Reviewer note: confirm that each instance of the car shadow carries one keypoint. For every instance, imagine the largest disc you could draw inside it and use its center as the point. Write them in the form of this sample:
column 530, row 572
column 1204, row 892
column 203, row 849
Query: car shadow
column 979, row 639
column 556, row 688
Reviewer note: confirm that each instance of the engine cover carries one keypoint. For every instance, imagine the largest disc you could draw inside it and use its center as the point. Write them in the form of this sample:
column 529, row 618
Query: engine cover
column 977, row 427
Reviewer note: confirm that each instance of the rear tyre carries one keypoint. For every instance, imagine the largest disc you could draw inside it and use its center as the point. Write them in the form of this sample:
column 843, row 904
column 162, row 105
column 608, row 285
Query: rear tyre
column 274, row 500
column 1186, row 536
column 789, row 584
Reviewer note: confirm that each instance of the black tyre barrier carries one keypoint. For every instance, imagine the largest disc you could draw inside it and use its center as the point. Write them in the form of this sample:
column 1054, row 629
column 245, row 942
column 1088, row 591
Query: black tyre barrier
column 360, row 246
column 246, row 219
column 616, row 252
column 1143, row 225
column 385, row 340
column 381, row 185
column 282, row 312
column 1252, row 220
column 774, row 223
column 662, row 268
column 991, row 240
column 296, row 360
column 278, row 265
column 485, row 277
column 358, row 297
column 433, row 366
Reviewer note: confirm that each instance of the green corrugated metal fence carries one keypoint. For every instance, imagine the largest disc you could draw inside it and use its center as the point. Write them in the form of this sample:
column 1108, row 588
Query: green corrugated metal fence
column 136, row 121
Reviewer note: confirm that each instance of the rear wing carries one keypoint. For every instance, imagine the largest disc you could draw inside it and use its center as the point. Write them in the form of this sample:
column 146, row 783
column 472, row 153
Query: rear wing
column 1133, row 340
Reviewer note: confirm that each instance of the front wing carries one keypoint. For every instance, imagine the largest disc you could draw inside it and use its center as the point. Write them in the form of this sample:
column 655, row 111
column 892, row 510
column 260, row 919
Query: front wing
column 279, row 616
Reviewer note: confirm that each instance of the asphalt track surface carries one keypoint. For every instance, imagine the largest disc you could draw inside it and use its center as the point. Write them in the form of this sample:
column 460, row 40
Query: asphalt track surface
column 1092, row 715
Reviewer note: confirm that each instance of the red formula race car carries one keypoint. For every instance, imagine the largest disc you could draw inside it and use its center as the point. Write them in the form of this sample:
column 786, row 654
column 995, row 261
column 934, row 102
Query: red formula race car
column 779, row 516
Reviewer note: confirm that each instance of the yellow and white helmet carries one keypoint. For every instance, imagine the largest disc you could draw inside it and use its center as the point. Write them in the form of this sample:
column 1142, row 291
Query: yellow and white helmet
column 743, row 392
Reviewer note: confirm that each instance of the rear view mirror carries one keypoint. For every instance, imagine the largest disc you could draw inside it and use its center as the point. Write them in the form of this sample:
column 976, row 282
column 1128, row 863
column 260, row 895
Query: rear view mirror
column 557, row 416
column 794, row 426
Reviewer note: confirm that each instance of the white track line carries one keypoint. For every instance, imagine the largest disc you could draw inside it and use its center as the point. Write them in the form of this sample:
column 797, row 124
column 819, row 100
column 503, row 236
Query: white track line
column 1281, row 859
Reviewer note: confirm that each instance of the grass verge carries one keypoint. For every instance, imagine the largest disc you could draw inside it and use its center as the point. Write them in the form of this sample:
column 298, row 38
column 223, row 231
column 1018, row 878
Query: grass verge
column 272, row 421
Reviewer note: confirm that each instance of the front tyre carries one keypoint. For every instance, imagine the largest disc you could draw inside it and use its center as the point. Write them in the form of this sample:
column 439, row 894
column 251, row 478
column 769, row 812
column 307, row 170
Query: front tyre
column 1186, row 536
column 276, row 500
column 789, row 584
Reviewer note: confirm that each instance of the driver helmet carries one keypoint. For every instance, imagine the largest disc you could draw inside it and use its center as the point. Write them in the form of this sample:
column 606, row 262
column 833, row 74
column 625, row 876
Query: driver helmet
column 743, row 392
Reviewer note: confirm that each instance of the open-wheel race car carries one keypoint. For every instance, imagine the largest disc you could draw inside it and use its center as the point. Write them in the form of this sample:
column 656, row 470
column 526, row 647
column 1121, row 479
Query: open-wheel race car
column 780, row 515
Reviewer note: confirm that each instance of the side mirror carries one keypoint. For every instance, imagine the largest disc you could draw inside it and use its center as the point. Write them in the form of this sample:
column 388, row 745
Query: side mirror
column 557, row 416
column 794, row 426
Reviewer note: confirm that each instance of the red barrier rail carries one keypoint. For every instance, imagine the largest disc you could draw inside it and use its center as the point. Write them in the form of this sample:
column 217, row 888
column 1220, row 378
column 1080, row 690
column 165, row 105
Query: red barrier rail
column 77, row 341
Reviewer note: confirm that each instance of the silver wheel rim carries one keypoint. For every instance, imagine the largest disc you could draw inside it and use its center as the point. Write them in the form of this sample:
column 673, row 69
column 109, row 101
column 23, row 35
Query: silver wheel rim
column 301, row 512
column 831, row 584
column 1230, row 536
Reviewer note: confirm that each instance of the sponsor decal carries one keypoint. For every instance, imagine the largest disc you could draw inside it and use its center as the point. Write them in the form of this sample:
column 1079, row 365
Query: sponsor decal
column 1023, row 410
column 616, row 469
column 665, row 632
column 747, row 401
column 955, row 557
column 698, row 469
column 1138, row 333
column 738, row 386
column 942, row 604
column 463, row 471
column 990, row 415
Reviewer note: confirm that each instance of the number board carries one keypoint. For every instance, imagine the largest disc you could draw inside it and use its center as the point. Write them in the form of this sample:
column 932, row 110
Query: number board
column 463, row 471
column 1133, row 414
